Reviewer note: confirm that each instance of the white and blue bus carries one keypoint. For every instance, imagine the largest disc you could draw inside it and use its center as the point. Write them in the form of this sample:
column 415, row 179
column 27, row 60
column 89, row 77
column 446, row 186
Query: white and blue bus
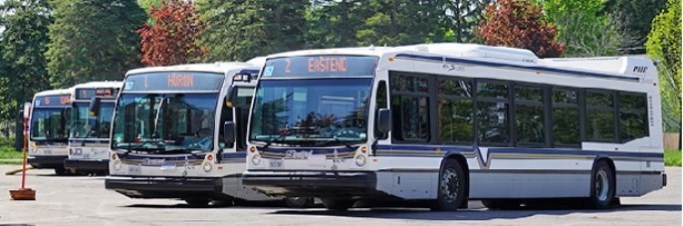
column 446, row 123
column 168, row 138
column 90, row 125
column 49, row 130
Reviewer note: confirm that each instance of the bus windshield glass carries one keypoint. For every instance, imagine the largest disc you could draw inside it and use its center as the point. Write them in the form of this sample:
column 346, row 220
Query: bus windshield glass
column 165, row 123
column 315, row 112
column 85, row 126
column 49, row 124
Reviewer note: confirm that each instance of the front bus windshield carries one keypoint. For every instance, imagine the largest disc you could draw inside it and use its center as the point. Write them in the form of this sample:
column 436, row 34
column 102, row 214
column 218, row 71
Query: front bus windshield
column 49, row 124
column 165, row 123
column 318, row 112
column 85, row 126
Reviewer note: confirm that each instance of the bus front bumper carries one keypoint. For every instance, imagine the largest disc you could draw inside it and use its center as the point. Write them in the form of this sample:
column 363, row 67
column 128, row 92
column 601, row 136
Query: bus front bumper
column 153, row 187
column 46, row 161
column 312, row 183
column 87, row 164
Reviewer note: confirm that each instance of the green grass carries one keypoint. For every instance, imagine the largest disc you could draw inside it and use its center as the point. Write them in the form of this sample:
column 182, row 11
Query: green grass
column 672, row 158
column 7, row 153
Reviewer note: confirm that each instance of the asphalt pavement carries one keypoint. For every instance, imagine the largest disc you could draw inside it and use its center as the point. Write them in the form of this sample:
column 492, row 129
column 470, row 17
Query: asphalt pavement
column 64, row 200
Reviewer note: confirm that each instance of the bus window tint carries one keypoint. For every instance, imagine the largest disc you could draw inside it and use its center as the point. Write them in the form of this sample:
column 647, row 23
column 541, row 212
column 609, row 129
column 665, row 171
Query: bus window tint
column 492, row 113
column 600, row 117
column 632, row 116
column 410, row 107
column 529, row 115
column 566, row 121
column 456, row 122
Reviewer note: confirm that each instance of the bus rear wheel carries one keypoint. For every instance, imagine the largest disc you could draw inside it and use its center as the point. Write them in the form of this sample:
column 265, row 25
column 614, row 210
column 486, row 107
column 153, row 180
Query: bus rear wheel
column 338, row 203
column 197, row 203
column 298, row 202
column 603, row 186
column 452, row 185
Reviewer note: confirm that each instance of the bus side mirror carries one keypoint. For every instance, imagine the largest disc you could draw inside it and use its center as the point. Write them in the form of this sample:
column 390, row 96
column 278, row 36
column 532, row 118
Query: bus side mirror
column 384, row 120
column 95, row 106
column 229, row 132
column 230, row 98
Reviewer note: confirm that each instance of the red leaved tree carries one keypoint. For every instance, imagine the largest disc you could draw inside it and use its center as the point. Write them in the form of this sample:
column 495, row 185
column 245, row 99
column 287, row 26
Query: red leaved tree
column 171, row 38
column 519, row 24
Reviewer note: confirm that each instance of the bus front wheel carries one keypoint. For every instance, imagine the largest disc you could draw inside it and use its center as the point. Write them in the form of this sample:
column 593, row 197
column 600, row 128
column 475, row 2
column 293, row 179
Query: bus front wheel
column 452, row 185
column 338, row 203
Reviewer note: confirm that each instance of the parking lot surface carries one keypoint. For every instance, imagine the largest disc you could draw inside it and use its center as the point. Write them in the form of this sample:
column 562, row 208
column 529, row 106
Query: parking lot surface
column 63, row 200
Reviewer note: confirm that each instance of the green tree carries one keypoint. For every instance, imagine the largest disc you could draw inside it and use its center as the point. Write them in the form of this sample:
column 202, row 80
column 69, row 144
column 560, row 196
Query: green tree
column 333, row 23
column 93, row 40
column 664, row 46
column 242, row 29
column 583, row 26
column 463, row 17
column 24, row 43
column 633, row 20
column 400, row 22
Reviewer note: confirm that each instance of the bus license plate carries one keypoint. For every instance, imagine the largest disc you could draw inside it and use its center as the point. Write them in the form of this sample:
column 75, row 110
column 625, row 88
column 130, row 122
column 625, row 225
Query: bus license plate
column 134, row 170
column 276, row 164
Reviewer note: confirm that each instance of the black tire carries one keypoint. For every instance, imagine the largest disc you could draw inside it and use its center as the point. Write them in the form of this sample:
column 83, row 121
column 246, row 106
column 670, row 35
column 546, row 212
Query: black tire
column 61, row 172
column 298, row 202
column 197, row 203
column 601, row 196
column 452, row 187
column 501, row 204
column 338, row 203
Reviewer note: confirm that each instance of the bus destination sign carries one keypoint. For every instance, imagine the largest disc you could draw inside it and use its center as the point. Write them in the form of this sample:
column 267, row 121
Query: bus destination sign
column 89, row 93
column 53, row 101
column 321, row 66
column 181, row 81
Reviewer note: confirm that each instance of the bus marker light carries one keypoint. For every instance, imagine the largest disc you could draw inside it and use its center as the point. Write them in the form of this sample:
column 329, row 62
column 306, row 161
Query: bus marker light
column 391, row 59
column 209, row 157
column 252, row 149
column 114, row 156
column 364, row 149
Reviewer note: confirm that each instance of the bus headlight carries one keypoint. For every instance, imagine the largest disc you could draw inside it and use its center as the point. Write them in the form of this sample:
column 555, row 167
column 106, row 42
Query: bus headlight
column 360, row 160
column 207, row 167
column 117, row 165
column 256, row 159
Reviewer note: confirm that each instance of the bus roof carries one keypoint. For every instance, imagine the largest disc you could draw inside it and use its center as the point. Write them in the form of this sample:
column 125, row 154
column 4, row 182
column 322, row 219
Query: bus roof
column 218, row 67
column 53, row 92
column 626, row 67
column 99, row 84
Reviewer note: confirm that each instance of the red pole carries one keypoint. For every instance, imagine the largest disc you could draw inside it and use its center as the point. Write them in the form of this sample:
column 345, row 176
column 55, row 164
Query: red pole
column 25, row 151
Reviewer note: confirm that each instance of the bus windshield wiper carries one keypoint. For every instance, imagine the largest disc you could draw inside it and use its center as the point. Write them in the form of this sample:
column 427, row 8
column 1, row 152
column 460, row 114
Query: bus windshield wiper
column 279, row 139
column 335, row 139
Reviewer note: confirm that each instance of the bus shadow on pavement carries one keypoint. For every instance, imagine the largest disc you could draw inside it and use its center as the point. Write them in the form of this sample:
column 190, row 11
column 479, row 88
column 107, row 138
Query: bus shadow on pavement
column 468, row 214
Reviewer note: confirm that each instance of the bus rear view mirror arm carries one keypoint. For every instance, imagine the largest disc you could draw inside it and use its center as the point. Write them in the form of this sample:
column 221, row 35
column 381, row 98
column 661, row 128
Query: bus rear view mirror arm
column 94, row 107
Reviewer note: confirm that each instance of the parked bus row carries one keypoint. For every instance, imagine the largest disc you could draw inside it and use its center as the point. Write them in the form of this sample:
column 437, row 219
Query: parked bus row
column 433, row 125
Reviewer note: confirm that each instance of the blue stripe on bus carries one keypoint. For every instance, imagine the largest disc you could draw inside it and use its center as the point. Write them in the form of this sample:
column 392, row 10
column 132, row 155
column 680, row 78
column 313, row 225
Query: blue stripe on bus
column 231, row 155
column 316, row 151
column 493, row 64
column 515, row 150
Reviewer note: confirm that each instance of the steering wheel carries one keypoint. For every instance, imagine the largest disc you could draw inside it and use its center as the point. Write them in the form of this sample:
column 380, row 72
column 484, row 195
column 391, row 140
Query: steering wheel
column 345, row 132
column 203, row 132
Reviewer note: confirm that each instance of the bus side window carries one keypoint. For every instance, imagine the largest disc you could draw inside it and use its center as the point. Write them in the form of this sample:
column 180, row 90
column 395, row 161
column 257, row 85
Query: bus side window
column 381, row 102
column 226, row 115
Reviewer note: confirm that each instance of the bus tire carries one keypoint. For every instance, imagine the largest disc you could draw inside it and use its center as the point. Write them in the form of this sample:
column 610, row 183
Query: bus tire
column 298, row 202
column 501, row 204
column 338, row 203
column 197, row 203
column 603, row 186
column 61, row 172
column 452, row 187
